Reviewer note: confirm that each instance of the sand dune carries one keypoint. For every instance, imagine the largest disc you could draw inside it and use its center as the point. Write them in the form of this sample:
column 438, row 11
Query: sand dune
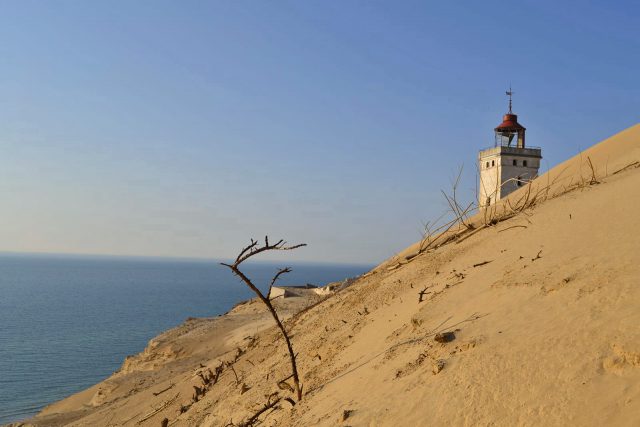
column 543, row 307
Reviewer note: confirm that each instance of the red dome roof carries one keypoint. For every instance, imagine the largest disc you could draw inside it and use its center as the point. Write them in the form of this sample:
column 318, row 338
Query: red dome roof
column 509, row 123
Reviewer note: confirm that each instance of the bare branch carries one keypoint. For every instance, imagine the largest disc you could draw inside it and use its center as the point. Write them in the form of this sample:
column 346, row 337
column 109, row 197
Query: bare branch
column 246, row 253
column 271, row 404
column 276, row 277
column 594, row 180
column 254, row 249
column 422, row 293
column 244, row 250
column 452, row 200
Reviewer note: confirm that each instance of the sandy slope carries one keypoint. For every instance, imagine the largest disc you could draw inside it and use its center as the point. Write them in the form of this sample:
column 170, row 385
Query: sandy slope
column 546, row 332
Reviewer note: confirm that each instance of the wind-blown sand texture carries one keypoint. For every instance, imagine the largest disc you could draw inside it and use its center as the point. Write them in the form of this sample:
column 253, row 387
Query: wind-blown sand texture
column 544, row 308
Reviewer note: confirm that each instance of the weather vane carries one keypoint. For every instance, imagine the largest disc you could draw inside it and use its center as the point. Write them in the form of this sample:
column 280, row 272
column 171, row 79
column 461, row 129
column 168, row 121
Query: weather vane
column 509, row 94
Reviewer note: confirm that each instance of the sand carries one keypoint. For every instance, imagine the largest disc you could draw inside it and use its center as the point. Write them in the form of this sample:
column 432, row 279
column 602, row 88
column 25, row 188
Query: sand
column 543, row 308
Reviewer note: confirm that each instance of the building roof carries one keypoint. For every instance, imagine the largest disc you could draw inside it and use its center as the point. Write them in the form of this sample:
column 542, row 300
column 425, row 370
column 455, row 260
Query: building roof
column 509, row 123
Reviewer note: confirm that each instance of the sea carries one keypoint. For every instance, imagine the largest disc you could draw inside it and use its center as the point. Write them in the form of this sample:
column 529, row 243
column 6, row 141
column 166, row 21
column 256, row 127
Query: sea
column 68, row 322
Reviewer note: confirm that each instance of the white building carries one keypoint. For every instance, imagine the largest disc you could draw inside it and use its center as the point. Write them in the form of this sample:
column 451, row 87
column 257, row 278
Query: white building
column 506, row 166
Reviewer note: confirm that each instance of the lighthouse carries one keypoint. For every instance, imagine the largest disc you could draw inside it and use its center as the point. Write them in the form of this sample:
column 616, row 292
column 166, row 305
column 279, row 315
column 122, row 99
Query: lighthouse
column 509, row 164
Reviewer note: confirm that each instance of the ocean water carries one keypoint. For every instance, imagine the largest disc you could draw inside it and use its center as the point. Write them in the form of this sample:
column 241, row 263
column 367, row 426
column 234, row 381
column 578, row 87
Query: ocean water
column 67, row 323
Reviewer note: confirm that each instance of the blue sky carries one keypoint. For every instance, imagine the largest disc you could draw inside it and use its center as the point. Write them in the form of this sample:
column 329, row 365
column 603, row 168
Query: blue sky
column 185, row 128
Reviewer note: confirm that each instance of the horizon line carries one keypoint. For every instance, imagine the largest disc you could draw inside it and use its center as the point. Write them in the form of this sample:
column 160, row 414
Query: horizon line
column 168, row 257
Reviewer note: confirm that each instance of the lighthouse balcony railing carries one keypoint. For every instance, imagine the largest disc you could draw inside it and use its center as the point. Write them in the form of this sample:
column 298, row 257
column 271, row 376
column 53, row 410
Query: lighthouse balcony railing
column 512, row 149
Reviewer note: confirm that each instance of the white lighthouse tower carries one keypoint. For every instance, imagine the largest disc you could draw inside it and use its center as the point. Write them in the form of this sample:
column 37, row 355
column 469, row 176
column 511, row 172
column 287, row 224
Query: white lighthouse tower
column 509, row 164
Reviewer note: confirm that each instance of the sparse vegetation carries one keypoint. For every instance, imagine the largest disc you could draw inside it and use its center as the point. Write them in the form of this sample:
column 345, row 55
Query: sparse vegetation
column 460, row 227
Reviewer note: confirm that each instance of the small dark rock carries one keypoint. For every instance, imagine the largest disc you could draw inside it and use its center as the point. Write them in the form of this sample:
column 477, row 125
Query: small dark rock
column 346, row 414
column 444, row 337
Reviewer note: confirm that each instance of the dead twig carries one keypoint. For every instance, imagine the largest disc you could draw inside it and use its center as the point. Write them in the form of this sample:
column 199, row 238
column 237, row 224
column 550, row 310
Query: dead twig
column 158, row 409
column 630, row 165
column 481, row 263
column 513, row 226
column 235, row 374
column 271, row 404
column 163, row 390
column 466, row 236
column 461, row 217
column 453, row 202
column 594, row 180
column 130, row 418
column 276, row 277
column 251, row 250
column 421, row 294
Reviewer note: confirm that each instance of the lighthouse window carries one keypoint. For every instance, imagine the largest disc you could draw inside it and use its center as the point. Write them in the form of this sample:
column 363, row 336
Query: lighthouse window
column 493, row 163
column 524, row 163
column 487, row 164
column 515, row 162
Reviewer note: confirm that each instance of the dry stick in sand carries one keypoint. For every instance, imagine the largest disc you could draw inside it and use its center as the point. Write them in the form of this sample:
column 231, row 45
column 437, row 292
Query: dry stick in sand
column 158, row 409
column 421, row 294
column 427, row 242
column 235, row 374
column 254, row 249
column 481, row 263
column 630, row 165
column 466, row 236
column 452, row 200
column 284, row 385
column 461, row 217
column 594, row 180
column 163, row 390
column 514, row 226
column 269, row 405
